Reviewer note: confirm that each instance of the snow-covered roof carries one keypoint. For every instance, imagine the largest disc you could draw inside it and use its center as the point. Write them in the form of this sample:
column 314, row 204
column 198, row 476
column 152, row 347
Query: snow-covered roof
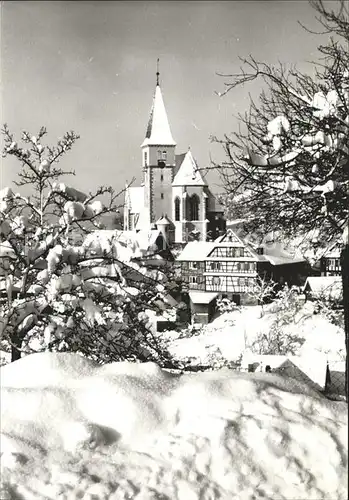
column 328, row 286
column 230, row 238
column 201, row 250
column 137, row 243
column 188, row 173
column 158, row 130
column 202, row 297
column 310, row 371
column 134, row 199
column 277, row 255
column 196, row 251
column 334, row 251
column 164, row 220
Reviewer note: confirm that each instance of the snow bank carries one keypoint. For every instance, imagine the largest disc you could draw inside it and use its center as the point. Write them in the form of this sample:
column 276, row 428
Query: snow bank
column 73, row 429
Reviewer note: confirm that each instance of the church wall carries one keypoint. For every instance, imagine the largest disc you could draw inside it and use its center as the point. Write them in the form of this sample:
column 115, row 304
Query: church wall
column 161, row 200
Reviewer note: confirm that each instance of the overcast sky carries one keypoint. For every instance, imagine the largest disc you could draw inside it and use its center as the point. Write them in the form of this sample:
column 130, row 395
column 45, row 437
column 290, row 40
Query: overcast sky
column 89, row 66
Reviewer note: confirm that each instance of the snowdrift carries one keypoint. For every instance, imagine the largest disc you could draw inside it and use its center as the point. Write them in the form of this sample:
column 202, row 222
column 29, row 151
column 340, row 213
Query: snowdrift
column 73, row 429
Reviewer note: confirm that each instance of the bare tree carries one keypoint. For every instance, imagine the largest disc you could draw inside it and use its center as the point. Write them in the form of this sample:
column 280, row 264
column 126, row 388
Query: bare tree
column 287, row 168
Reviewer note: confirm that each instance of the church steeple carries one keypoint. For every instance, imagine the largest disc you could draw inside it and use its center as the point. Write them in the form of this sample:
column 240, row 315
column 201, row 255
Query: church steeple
column 158, row 130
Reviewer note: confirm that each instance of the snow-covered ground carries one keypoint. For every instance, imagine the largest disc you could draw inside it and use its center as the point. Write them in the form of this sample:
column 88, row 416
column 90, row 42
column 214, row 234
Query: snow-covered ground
column 234, row 332
column 72, row 429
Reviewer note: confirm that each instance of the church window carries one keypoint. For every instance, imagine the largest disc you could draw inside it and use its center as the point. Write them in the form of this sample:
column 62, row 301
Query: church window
column 162, row 196
column 194, row 207
column 177, row 208
column 145, row 158
column 161, row 162
column 164, row 155
column 161, row 177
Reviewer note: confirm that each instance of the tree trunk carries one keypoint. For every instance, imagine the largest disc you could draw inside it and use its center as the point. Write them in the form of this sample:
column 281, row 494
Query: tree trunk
column 345, row 281
column 16, row 353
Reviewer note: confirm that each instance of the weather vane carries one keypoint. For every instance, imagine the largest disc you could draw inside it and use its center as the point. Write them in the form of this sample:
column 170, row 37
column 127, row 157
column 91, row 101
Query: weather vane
column 157, row 71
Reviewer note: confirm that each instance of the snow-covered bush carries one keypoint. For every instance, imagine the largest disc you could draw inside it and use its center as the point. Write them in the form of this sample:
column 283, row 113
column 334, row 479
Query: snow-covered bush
column 63, row 288
column 225, row 305
column 277, row 340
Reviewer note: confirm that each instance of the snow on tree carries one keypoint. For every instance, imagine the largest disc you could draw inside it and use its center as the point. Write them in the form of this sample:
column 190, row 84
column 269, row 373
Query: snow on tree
column 62, row 287
column 290, row 158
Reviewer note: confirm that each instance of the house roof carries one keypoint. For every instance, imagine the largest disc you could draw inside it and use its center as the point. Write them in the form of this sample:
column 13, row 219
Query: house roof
column 196, row 251
column 164, row 220
column 334, row 251
column 310, row 371
column 143, row 242
column 230, row 238
column 328, row 286
column 158, row 129
column 188, row 173
column 202, row 297
column 200, row 250
column 277, row 255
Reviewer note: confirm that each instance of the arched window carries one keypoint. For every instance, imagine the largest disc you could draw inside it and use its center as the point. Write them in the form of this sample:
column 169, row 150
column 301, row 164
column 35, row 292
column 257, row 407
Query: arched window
column 194, row 207
column 177, row 208
column 164, row 155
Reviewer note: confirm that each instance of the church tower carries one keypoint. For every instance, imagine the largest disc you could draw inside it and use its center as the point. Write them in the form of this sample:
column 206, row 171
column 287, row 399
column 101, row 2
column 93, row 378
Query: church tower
column 158, row 160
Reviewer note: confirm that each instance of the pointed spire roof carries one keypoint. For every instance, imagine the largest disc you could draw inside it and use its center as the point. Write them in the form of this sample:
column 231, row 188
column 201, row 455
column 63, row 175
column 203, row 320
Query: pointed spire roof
column 188, row 173
column 158, row 130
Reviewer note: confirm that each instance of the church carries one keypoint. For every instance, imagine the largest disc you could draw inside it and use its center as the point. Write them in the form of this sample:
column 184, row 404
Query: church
column 174, row 196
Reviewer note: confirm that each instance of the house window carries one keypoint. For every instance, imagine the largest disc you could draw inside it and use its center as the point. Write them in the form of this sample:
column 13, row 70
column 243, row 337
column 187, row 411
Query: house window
column 231, row 252
column 215, row 266
column 216, row 281
column 177, row 204
column 162, row 196
column 333, row 263
column 192, row 279
column 193, row 265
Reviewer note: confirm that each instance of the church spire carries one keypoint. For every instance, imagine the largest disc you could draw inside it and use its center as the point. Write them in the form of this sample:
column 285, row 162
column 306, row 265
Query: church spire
column 158, row 129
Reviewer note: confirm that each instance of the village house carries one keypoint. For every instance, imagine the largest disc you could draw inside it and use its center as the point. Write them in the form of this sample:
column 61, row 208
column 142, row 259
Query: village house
column 229, row 267
column 330, row 262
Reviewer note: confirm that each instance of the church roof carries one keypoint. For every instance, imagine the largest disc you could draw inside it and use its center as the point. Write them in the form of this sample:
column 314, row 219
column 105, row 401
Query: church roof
column 158, row 130
column 188, row 173
column 213, row 203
